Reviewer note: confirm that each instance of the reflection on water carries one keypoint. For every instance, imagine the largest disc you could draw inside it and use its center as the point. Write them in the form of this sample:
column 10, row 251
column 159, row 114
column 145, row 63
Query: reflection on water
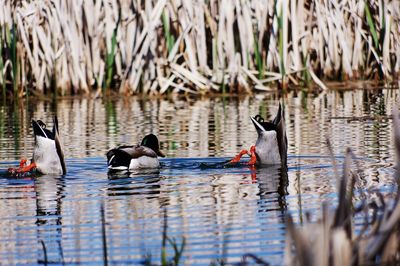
column 222, row 212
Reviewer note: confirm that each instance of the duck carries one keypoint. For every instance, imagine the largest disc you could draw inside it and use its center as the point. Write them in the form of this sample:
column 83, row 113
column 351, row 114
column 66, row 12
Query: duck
column 48, row 154
column 271, row 145
column 134, row 157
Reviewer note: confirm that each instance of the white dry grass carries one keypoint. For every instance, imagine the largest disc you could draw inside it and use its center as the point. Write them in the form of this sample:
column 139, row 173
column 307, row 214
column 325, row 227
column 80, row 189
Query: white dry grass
column 195, row 46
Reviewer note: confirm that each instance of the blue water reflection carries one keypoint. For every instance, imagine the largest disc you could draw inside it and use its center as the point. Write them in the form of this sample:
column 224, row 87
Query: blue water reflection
column 222, row 212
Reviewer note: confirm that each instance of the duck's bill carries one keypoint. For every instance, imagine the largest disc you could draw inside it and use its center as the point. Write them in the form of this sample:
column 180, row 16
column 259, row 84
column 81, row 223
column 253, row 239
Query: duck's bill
column 257, row 125
column 160, row 153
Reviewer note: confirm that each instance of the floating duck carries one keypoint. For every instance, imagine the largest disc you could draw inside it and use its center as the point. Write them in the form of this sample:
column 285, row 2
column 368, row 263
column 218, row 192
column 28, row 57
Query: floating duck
column 271, row 144
column 48, row 155
column 136, row 157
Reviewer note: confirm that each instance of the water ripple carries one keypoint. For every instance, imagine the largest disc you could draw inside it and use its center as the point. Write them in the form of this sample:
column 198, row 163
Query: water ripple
column 220, row 211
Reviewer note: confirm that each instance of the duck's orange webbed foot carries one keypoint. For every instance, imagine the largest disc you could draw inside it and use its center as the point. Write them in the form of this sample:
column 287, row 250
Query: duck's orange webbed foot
column 27, row 168
column 23, row 168
column 253, row 157
column 237, row 158
column 22, row 163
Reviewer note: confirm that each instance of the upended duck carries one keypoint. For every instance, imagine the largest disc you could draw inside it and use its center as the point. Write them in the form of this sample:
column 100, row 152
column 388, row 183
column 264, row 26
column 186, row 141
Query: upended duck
column 48, row 155
column 271, row 144
column 136, row 157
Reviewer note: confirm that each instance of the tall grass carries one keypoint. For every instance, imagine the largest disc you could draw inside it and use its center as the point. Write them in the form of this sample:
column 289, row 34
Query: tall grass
column 157, row 46
column 2, row 66
column 14, row 60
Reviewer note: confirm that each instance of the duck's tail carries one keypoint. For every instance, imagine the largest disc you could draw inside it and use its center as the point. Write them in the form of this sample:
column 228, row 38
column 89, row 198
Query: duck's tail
column 118, row 160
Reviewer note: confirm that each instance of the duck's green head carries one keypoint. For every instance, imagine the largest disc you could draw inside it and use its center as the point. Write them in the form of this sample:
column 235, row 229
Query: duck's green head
column 151, row 141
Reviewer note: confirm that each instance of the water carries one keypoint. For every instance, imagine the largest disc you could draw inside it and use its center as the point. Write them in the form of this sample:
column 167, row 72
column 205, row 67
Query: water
column 221, row 212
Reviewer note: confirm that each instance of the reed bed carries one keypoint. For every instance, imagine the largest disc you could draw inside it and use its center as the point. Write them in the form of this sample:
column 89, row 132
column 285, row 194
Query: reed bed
column 160, row 46
column 334, row 241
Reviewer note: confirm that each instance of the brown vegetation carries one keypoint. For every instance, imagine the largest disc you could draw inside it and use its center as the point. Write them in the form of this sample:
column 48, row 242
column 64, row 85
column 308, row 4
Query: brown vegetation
column 157, row 46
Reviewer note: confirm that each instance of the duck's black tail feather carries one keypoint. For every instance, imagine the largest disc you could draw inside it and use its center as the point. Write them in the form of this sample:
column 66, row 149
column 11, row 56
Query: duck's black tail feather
column 118, row 159
column 39, row 129
column 59, row 148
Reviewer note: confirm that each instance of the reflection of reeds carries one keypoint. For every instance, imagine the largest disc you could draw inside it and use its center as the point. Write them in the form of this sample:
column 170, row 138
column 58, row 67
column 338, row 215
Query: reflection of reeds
column 104, row 235
column 159, row 46
column 178, row 251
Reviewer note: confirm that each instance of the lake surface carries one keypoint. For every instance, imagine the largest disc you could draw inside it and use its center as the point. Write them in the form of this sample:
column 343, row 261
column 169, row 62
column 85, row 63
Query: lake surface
column 221, row 212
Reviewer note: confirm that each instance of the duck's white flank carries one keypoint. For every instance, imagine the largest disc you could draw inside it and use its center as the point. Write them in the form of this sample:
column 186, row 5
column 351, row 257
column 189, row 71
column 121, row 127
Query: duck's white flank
column 45, row 156
column 267, row 148
column 144, row 162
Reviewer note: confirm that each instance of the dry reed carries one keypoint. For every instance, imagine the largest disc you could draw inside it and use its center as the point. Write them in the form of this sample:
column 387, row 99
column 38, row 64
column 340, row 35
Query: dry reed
column 157, row 46
column 334, row 241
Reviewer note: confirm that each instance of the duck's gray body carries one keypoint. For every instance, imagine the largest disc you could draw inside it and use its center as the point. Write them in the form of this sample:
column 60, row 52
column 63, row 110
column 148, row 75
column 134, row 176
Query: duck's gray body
column 47, row 153
column 271, row 144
